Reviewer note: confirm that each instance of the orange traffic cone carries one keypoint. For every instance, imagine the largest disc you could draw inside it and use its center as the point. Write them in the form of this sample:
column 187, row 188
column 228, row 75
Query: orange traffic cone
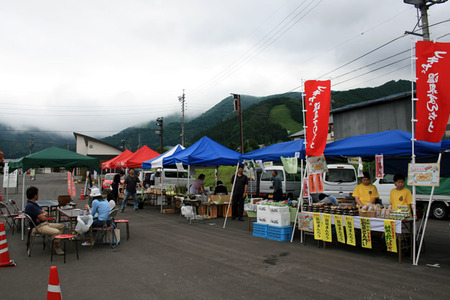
column 82, row 193
column 54, row 289
column 5, row 261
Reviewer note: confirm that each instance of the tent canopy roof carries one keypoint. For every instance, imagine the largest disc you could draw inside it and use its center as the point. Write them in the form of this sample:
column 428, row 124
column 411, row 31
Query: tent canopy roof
column 54, row 157
column 111, row 164
column 135, row 160
column 276, row 151
column 157, row 162
column 204, row 152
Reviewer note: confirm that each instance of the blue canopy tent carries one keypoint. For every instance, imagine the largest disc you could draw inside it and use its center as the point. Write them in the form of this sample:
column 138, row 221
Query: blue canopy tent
column 388, row 143
column 275, row 151
column 204, row 152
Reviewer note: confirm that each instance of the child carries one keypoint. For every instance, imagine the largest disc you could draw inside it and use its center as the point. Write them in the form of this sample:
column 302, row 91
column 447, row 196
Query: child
column 400, row 195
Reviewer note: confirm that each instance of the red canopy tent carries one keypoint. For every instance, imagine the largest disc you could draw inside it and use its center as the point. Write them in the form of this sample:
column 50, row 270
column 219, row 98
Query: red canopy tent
column 111, row 164
column 135, row 160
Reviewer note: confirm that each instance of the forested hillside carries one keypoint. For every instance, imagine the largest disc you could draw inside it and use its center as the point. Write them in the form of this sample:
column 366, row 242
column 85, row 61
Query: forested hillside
column 266, row 120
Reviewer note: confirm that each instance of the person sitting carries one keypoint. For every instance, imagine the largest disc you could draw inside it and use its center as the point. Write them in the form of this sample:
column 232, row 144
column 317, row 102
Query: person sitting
column 39, row 216
column 220, row 188
column 324, row 198
column 198, row 187
column 100, row 207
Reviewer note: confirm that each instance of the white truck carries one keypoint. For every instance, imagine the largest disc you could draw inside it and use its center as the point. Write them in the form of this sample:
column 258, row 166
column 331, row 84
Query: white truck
column 261, row 185
column 440, row 206
column 339, row 181
column 169, row 178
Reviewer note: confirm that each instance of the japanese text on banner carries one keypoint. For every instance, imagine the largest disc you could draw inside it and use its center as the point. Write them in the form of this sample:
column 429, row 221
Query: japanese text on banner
column 389, row 233
column 366, row 238
column 327, row 235
column 339, row 228
column 350, row 229
column 433, row 94
column 317, row 106
column 317, row 227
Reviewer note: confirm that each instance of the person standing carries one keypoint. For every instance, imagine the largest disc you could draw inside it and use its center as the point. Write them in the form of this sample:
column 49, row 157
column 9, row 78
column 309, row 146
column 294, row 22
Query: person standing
column 198, row 186
column 239, row 193
column 129, row 187
column 365, row 192
column 116, row 183
column 39, row 217
column 277, row 187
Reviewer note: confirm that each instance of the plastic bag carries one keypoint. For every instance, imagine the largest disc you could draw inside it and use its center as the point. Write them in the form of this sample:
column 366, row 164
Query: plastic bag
column 84, row 223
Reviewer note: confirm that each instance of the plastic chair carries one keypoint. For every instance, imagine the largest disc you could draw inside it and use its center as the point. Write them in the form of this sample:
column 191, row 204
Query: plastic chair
column 105, row 228
column 64, row 237
column 121, row 221
column 18, row 212
column 32, row 234
column 6, row 214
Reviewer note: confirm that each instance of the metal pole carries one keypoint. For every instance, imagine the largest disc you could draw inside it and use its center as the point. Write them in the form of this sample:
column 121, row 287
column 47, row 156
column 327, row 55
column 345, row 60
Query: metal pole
column 413, row 155
column 240, row 124
column 425, row 29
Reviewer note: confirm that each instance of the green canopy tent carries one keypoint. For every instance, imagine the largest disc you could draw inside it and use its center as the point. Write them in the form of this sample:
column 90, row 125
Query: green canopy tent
column 54, row 157
column 51, row 157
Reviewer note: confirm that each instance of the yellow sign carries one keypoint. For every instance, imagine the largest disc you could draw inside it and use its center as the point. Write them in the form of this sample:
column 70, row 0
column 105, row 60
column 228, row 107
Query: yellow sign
column 389, row 233
column 339, row 228
column 317, row 227
column 327, row 235
column 366, row 238
column 350, row 229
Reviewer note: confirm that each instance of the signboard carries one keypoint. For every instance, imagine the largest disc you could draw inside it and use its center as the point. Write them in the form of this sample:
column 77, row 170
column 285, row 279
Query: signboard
column 423, row 174
column 305, row 222
column 10, row 179
column 339, row 225
column 317, row 164
column 350, row 229
column 317, row 226
column 366, row 238
column 389, row 234
column 326, row 228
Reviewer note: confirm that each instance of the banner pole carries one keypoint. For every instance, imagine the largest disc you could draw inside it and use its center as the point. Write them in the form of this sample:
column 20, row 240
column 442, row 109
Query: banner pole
column 413, row 155
column 231, row 198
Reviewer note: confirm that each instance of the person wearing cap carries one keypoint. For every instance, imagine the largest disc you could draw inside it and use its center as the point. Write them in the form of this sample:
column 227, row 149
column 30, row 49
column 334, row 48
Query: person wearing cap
column 365, row 192
column 129, row 186
column 100, row 206
column 39, row 216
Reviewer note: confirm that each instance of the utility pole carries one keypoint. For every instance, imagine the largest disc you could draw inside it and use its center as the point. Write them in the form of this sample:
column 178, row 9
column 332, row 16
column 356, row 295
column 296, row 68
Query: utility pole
column 160, row 123
column 31, row 143
column 423, row 6
column 237, row 107
column 182, row 100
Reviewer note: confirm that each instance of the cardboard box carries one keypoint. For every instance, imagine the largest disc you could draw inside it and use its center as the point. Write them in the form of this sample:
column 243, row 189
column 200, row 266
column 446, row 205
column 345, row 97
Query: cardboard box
column 169, row 211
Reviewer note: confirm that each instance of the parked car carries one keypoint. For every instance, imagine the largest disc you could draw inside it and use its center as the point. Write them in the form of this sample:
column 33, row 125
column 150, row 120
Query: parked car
column 108, row 180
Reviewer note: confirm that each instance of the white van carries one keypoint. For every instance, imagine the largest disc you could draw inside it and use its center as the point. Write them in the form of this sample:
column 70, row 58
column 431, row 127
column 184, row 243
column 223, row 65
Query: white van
column 262, row 186
column 172, row 177
column 340, row 181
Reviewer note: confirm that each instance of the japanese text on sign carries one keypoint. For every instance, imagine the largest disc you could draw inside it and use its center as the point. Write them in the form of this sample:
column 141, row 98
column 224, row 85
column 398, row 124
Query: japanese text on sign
column 389, row 233
column 317, row 227
column 339, row 228
column 350, row 229
column 366, row 239
column 326, row 228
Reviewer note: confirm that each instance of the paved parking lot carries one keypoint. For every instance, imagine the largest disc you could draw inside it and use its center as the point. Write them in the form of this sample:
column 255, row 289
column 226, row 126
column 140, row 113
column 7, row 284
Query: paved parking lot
column 165, row 259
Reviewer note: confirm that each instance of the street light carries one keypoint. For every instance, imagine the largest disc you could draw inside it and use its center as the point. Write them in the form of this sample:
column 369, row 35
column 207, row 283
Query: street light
column 160, row 123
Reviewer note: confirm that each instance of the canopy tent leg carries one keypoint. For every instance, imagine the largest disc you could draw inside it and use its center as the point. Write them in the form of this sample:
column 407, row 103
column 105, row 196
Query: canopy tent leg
column 231, row 198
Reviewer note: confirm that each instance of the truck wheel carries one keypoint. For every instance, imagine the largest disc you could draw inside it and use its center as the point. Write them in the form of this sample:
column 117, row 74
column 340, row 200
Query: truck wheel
column 439, row 211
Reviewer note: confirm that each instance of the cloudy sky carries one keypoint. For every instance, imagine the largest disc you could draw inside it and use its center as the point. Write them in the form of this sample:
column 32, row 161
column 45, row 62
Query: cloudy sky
column 99, row 66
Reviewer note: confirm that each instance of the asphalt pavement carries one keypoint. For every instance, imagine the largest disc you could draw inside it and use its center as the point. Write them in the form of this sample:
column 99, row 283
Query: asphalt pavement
column 168, row 259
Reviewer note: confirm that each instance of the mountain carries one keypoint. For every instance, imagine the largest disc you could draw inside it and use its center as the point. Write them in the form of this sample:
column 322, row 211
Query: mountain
column 266, row 120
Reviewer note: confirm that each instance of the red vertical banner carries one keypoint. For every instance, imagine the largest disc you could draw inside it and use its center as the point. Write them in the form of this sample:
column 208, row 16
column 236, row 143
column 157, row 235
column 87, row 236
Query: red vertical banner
column 71, row 190
column 379, row 166
column 319, row 182
column 317, row 106
column 312, row 183
column 433, row 90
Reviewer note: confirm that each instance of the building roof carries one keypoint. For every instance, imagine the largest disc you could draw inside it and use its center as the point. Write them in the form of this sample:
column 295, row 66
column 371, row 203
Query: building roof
column 89, row 138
